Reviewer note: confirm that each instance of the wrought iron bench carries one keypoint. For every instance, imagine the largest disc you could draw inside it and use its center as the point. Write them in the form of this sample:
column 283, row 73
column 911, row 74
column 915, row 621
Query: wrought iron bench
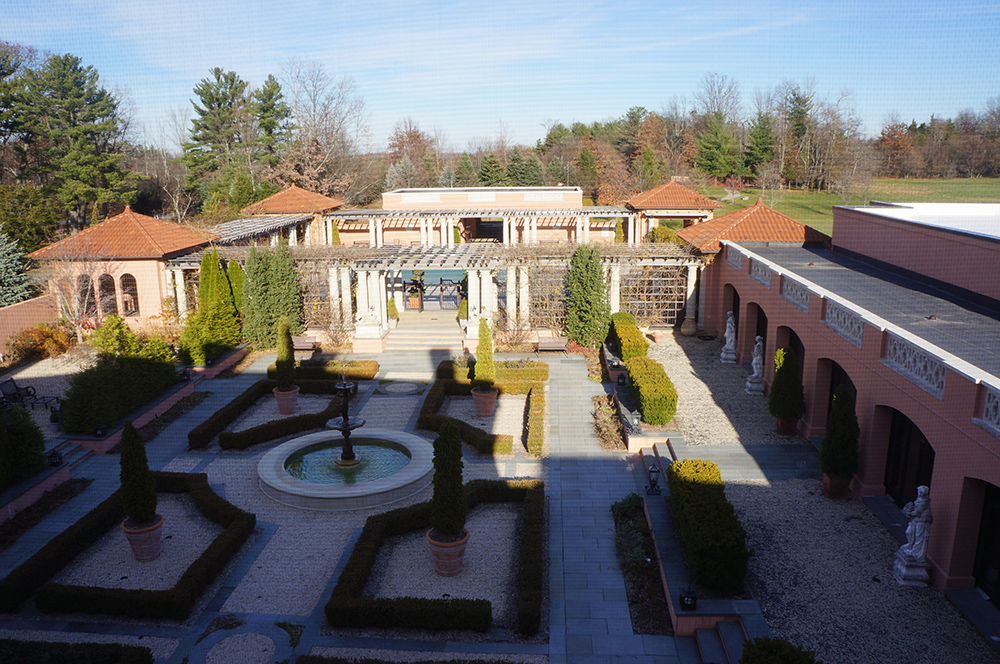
column 11, row 392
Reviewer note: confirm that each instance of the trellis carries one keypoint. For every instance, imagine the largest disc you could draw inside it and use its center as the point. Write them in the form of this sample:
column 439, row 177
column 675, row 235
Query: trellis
column 654, row 294
column 548, row 296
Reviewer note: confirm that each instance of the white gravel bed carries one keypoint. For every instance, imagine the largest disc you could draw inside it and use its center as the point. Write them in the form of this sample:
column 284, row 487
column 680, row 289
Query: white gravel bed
column 246, row 648
column 161, row 648
column 109, row 563
column 404, row 567
column 390, row 412
column 266, row 410
column 712, row 408
column 822, row 572
column 420, row 656
column 182, row 464
column 508, row 418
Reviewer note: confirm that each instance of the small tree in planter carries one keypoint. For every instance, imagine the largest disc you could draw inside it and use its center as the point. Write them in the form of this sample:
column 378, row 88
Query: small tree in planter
column 142, row 525
column 286, row 392
column 448, row 536
column 787, row 401
column 838, row 454
column 484, row 393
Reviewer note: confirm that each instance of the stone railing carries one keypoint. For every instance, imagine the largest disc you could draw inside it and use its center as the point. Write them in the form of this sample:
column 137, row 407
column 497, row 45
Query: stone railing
column 915, row 364
column 844, row 322
column 760, row 273
column 990, row 419
column 734, row 258
column 795, row 293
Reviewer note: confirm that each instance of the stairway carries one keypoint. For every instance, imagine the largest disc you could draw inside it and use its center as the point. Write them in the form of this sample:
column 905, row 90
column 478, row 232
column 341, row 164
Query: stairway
column 426, row 331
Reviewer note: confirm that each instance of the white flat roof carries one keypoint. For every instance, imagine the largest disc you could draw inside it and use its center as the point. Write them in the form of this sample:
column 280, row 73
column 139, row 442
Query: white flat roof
column 460, row 190
column 982, row 219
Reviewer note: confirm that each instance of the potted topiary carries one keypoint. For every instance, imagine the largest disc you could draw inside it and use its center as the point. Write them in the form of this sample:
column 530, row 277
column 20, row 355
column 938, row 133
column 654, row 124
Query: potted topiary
column 142, row 525
column 463, row 313
column 448, row 536
column 838, row 453
column 392, row 313
column 484, row 393
column 286, row 392
column 787, row 401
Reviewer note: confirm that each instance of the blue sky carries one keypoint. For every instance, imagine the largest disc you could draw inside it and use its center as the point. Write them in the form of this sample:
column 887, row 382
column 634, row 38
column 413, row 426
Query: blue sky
column 465, row 67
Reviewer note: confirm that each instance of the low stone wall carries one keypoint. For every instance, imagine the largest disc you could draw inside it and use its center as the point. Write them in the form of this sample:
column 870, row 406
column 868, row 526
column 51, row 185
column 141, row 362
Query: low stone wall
column 224, row 363
column 47, row 482
column 18, row 317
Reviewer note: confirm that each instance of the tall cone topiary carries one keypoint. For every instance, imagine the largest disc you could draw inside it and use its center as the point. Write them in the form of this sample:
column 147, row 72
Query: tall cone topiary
column 838, row 453
column 486, row 369
column 138, row 486
column 448, row 505
column 284, row 370
column 787, row 399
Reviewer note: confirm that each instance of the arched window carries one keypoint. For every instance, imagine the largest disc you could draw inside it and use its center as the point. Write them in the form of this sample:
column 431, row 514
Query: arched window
column 106, row 291
column 130, row 295
column 86, row 303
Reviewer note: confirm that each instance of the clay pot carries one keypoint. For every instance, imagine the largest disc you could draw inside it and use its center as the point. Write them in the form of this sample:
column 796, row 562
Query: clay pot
column 835, row 487
column 786, row 427
column 145, row 541
column 485, row 399
column 448, row 555
column 287, row 401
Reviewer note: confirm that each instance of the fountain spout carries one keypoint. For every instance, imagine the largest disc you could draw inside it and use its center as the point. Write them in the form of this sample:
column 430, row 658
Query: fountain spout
column 344, row 424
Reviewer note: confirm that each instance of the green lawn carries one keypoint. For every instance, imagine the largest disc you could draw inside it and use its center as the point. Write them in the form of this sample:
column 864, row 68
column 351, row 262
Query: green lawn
column 816, row 208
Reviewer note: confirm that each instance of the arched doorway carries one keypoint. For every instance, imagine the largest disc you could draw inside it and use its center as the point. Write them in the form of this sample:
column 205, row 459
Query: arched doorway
column 786, row 338
column 910, row 460
column 987, row 565
column 731, row 300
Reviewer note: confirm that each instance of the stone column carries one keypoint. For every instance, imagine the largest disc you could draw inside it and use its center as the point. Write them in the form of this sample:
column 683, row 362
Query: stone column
column 273, row 238
column 488, row 294
column 423, row 231
column 379, row 241
column 523, row 299
column 293, row 236
column 512, row 296
column 585, row 222
column 380, row 309
column 506, row 231
column 346, row 299
column 701, row 299
column 534, row 230
column 308, row 232
column 334, row 286
column 689, row 327
column 615, row 286
column 363, row 291
column 474, row 299
column 371, row 232
column 397, row 289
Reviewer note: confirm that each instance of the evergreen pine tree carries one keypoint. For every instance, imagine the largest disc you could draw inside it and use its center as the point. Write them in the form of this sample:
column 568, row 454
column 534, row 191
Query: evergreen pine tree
column 208, row 276
column 285, row 293
column 515, row 168
column 237, row 277
column 465, row 172
column 334, row 234
column 760, row 148
column 284, row 365
column 491, row 173
column 258, row 328
column 838, row 453
column 15, row 285
column 448, row 504
column 718, row 153
column 588, row 312
column 138, row 486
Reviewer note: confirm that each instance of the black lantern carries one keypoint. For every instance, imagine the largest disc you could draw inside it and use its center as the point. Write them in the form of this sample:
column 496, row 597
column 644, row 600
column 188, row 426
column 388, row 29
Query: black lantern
column 654, row 478
column 689, row 599
column 99, row 430
column 621, row 379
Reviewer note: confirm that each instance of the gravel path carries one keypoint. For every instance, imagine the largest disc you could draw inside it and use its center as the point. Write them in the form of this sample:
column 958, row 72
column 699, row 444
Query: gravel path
column 712, row 407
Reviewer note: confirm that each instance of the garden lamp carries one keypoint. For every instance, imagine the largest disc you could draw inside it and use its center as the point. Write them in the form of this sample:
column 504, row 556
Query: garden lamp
column 654, row 478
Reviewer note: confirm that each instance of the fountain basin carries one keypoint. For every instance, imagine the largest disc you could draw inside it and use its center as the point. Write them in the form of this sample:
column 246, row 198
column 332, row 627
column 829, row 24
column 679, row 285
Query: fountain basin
column 279, row 485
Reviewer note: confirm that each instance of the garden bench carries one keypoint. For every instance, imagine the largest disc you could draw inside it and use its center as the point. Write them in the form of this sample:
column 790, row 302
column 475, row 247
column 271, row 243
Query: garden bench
column 11, row 392
column 303, row 343
column 553, row 343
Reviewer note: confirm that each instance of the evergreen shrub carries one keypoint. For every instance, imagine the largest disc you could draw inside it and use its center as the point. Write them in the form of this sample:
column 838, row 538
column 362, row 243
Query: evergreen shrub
column 138, row 486
column 713, row 537
column 334, row 370
column 772, row 650
column 631, row 342
column 22, row 446
column 653, row 389
column 35, row 652
column 284, row 372
column 448, row 506
column 486, row 370
column 838, row 453
column 588, row 311
column 787, row 399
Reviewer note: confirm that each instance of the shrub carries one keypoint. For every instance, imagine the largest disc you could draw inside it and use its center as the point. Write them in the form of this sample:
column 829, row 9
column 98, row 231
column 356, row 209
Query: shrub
column 138, row 486
column 390, row 308
column 838, row 453
column 33, row 652
column 463, row 309
column 587, row 308
column 448, row 506
column 768, row 650
column 536, row 419
column 630, row 341
column 486, row 370
column 113, row 387
column 22, row 446
column 787, row 399
column 335, row 370
column 481, row 441
column 285, row 364
column 713, row 536
column 115, row 337
column 653, row 390
column 38, row 342
column 202, row 435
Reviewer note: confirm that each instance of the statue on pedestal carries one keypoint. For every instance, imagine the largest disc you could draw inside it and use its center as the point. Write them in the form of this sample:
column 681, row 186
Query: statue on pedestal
column 728, row 355
column 910, row 567
column 755, row 383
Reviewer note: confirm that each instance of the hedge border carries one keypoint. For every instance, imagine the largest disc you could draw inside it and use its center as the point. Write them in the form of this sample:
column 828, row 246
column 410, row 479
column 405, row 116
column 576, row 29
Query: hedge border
column 25, row 652
column 333, row 370
column 347, row 607
column 653, row 389
column 630, row 340
column 538, row 371
column 176, row 603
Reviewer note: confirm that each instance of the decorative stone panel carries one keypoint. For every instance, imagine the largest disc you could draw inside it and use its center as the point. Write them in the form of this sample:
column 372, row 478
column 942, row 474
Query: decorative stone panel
column 991, row 411
column 916, row 364
column 734, row 258
column 845, row 322
column 760, row 273
column 795, row 293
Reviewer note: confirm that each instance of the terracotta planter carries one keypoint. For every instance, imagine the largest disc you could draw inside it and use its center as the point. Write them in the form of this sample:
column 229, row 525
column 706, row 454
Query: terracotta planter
column 287, row 401
column 835, row 487
column 145, row 542
column 786, row 427
column 485, row 399
column 448, row 555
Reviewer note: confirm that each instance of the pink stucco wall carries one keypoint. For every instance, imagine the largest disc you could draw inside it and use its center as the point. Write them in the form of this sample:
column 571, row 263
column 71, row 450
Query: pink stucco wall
column 21, row 316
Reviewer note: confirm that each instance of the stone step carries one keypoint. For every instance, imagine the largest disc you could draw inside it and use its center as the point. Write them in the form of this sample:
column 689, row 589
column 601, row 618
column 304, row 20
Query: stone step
column 687, row 650
column 710, row 646
column 733, row 638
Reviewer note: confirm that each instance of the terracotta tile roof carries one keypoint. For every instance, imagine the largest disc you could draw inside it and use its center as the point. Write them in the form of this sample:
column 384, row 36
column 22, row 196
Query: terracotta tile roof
column 671, row 196
column 292, row 200
column 127, row 235
column 757, row 223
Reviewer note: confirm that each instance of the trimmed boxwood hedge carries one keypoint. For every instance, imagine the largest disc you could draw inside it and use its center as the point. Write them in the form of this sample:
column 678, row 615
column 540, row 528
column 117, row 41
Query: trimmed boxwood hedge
column 631, row 342
column 200, row 436
column 536, row 419
column 535, row 371
column 175, row 603
column 347, row 606
column 653, row 389
column 36, row 652
column 713, row 536
column 353, row 370
column 318, row 659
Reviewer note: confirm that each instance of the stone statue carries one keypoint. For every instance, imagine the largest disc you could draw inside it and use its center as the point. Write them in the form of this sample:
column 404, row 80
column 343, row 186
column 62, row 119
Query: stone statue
column 917, row 532
column 728, row 355
column 758, row 357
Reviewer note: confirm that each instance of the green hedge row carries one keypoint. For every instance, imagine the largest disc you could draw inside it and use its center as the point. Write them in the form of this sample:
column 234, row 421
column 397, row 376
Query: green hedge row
column 318, row 659
column 352, row 370
column 175, row 603
column 631, row 342
column 200, row 436
column 653, row 389
column 533, row 371
column 40, row 652
column 347, row 606
column 536, row 419
column 713, row 536
column 431, row 420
